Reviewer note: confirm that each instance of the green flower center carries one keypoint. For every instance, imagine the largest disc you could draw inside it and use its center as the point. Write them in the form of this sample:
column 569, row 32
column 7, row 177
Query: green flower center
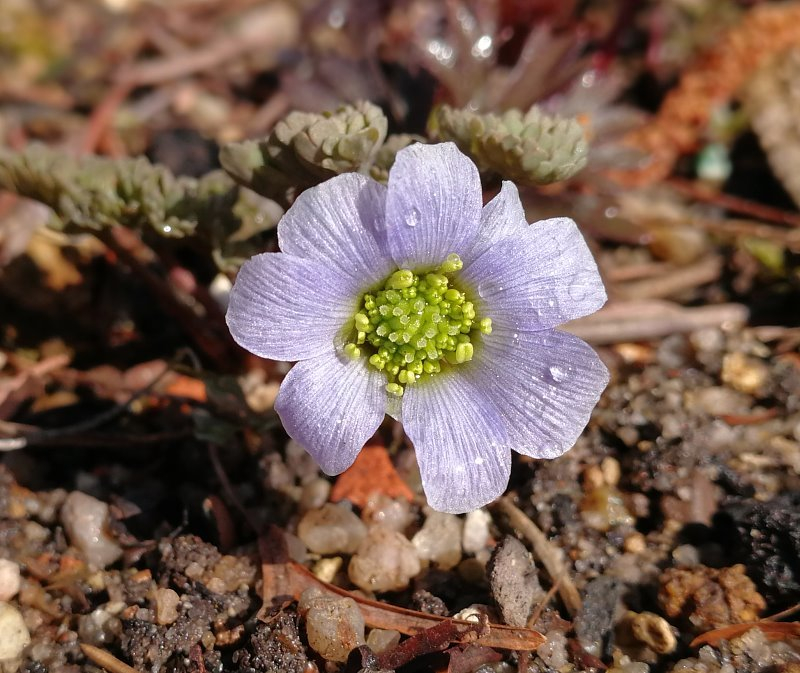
column 414, row 323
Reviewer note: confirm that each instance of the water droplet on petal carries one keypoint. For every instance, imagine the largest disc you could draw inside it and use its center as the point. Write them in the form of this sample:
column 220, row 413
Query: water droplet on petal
column 577, row 292
column 557, row 374
column 412, row 219
column 479, row 461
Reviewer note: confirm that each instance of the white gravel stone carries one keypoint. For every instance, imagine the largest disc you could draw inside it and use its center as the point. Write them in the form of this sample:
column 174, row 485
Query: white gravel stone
column 439, row 540
column 334, row 626
column 384, row 561
column 476, row 531
column 14, row 636
column 85, row 520
column 9, row 579
column 331, row 529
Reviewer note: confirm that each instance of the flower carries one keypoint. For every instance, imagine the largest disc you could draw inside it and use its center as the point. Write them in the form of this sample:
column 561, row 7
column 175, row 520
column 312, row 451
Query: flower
column 418, row 301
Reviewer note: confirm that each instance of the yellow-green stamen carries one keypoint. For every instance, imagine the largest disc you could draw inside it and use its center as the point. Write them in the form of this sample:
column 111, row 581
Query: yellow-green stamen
column 413, row 323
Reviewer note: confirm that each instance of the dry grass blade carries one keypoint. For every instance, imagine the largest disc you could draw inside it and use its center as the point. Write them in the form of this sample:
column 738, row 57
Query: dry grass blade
column 772, row 630
column 106, row 660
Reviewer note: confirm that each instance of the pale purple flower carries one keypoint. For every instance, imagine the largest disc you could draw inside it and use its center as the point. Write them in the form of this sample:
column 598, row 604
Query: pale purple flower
column 516, row 383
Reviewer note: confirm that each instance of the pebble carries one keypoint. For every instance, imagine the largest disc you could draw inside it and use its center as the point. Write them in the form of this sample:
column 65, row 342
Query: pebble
column 9, row 579
column 331, row 529
column 746, row 374
column 709, row 598
column 314, row 494
column 99, row 627
column 166, row 606
column 475, row 537
column 326, row 568
column 635, row 543
column 553, row 652
column 382, row 640
column 385, row 561
column 14, row 637
column 513, row 581
column 653, row 631
column 394, row 513
column 85, row 519
column 334, row 626
column 603, row 508
column 439, row 540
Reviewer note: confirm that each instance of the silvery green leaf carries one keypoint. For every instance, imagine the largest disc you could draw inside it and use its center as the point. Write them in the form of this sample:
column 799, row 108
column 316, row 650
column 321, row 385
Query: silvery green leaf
column 532, row 148
column 305, row 149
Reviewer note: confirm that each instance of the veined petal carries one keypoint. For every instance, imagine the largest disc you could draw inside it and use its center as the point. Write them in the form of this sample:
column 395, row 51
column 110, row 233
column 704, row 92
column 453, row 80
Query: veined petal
column 433, row 204
column 288, row 308
column 538, row 279
column 460, row 442
column 337, row 222
column 502, row 217
column 331, row 406
column 545, row 385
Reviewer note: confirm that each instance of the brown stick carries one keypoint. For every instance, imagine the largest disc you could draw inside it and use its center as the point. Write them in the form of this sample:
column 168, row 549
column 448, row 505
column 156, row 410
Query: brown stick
column 704, row 271
column 618, row 322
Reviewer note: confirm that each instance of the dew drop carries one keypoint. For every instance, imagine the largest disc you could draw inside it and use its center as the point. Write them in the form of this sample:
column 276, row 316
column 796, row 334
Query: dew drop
column 479, row 461
column 557, row 374
column 576, row 292
column 412, row 219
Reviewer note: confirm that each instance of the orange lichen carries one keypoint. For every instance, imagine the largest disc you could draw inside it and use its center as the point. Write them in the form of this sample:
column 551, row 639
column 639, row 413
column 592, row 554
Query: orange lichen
column 372, row 473
column 712, row 81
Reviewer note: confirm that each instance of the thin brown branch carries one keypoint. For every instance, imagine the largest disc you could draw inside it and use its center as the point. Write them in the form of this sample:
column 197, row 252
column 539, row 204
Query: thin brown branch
column 644, row 320
column 673, row 282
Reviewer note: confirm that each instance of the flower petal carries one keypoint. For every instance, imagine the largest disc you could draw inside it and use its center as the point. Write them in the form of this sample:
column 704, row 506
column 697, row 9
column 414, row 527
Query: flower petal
column 545, row 384
column 337, row 221
column 433, row 204
column 538, row 279
column 288, row 308
column 502, row 217
column 331, row 406
column 460, row 440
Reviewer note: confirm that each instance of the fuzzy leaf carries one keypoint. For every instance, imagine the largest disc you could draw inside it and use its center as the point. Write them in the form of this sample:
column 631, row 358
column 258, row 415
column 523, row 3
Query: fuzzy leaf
column 305, row 149
column 91, row 193
column 532, row 148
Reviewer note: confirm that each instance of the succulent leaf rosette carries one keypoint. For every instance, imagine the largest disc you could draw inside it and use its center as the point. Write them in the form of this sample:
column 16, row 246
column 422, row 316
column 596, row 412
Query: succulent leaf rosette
column 414, row 299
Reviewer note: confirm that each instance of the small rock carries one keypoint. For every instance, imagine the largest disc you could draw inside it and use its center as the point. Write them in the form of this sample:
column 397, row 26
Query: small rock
column 603, row 508
column 513, row 581
column 382, row 640
column 709, row 598
column 439, row 540
column 382, row 510
column 99, row 627
column 331, row 529
column 385, row 561
column 314, row 494
column 326, row 568
column 600, row 599
column 717, row 400
column 85, row 519
column 746, row 374
column 166, row 606
column 553, row 652
column 334, row 626
column 476, row 531
column 9, row 579
column 653, row 631
column 14, row 637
